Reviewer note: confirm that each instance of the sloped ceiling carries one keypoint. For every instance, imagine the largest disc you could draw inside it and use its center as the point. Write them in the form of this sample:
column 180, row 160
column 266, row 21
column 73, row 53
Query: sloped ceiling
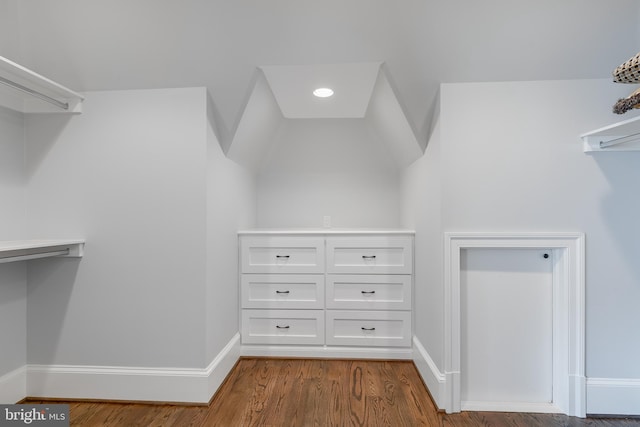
column 123, row 44
column 389, row 121
column 257, row 126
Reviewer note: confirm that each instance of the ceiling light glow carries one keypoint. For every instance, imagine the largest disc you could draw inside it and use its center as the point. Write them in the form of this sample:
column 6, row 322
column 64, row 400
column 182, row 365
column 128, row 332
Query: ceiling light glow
column 323, row 92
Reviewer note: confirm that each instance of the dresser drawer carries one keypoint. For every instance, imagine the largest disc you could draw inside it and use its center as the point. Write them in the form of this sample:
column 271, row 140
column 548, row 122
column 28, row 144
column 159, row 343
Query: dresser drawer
column 283, row 326
column 369, row 328
column 282, row 291
column 369, row 292
column 370, row 255
column 275, row 254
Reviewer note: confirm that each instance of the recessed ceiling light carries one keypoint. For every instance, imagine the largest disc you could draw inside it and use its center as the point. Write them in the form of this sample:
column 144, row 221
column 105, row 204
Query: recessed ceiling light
column 323, row 92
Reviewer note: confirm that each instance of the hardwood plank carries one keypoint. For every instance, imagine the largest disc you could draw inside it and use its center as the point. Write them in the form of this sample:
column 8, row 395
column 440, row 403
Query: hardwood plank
column 337, row 385
column 357, row 396
column 413, row 402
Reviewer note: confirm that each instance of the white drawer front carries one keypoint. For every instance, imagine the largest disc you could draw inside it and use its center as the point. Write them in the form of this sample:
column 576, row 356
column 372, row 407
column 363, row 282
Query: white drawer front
column 283, row 326
column 369, row 328
column 282, row 291
column 370, row 255
column 274, row 254
column 369, row 292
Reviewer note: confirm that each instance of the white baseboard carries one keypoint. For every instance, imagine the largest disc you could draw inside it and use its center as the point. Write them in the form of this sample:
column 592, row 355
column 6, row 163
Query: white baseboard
column 612, row 396
column 222, row 364
column 185, row 385
column 327, row 352
column 13, row 386
column 433, row 378
column 540, row 408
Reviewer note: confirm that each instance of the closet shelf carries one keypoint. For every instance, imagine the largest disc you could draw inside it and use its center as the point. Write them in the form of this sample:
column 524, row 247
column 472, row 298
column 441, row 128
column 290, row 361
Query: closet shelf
column 23, row 250
column 621, row 136
column 28, row 92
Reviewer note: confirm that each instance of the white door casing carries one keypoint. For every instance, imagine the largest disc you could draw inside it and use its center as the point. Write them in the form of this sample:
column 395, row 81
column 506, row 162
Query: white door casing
column 567, row 249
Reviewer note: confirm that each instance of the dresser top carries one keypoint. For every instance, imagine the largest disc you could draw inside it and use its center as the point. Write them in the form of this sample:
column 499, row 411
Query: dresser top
column 327, row 231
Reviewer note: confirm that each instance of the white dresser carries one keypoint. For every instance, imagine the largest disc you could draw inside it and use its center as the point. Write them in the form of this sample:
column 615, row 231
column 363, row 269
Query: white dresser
column 326, row 293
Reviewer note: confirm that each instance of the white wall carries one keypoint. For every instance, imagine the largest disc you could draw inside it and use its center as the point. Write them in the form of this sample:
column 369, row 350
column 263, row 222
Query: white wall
column 333, row 167
column 516, row 163
column 13, row 276
column 511, row 160
column 230, row 207
column 150, row 310
column 12, row 175
column 129, row 176
column 421, row 211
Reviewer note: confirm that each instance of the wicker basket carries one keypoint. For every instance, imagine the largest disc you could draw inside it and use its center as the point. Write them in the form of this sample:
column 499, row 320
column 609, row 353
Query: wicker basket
column 629, row 72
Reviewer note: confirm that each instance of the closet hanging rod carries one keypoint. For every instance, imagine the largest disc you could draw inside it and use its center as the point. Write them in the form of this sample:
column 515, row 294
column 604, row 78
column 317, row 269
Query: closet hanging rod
column 18, row 86
column 621, row 140
column 36, row 255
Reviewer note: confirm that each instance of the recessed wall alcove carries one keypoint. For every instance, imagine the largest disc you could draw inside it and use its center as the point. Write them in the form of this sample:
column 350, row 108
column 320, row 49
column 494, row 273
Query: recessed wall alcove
column 325, row 162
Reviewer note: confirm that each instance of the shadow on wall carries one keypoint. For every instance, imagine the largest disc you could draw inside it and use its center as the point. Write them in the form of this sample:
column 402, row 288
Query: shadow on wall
column 429, row 123
column 11, row 147
column 50, row 285
column 217, row 124
column 620, row 207
column 44, row 131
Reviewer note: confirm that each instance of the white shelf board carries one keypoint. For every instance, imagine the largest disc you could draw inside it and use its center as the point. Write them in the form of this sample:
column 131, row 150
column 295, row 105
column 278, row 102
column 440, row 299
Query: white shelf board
column 26, row 103
column 22, row 250
column 625, row 135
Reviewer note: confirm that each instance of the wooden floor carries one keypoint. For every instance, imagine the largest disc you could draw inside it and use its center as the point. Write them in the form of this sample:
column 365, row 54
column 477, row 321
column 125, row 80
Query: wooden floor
column 297, row 392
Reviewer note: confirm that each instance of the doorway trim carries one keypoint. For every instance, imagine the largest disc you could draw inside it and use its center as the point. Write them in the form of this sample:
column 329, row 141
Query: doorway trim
column 568, row 256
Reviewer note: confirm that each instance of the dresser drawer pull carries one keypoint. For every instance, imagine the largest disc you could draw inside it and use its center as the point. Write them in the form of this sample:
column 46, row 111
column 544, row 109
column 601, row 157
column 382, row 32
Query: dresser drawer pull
column 368, row 292
column 282, row 292
column 283, row 256
column 368, row 257
column 368, row 329
column 282, row 327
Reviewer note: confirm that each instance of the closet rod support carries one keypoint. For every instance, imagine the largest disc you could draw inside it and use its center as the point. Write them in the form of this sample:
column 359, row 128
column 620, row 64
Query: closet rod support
column 50, row 100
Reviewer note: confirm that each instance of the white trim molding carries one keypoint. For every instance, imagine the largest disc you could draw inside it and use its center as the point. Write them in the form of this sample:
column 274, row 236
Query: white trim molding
column 568, row 249
column 222, row 365
column 180, row 385
column 613, row 396
column 329, row 352
column 13, row 386
column 540, row 408
column 433, row 378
